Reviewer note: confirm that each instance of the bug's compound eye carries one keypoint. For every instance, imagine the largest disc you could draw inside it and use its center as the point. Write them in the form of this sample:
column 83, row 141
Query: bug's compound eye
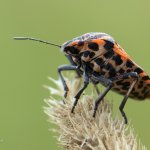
column 93, row 46
column 71, row 50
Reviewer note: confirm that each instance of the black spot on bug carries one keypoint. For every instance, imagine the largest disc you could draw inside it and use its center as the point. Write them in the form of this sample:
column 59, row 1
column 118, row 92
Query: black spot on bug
column 140, row 85
column 99, row 61
column 136, row 94
column 96, row 74
column 74, row 50
column 103, row 73
column 138, row 70
column 93, row 46
column 121, row 71
column 140, row 97
column 125, row 87
column 144, row 90
column 128, row 70
column 133, row 89
column 90, row 67
column 141, row 82
column 116, row 89
column 109, row 54
column 126, row 83
column 108, row 66
column 92, row 54
column 129, row 64
column 145, row 78
column 117, row 59
column 146, row 94
column 112, row 72
column 123, row 91
column 80, row 43
column 119, row 82
column 87, row 53
column 108, row 45
column 148, row 85
column 71, row 49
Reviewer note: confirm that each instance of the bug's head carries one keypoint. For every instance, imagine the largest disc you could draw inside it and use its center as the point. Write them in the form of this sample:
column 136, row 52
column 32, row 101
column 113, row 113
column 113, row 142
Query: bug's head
column 72, row 47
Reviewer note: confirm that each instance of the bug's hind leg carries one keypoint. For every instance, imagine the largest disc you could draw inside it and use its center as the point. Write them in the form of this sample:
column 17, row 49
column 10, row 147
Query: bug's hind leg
column 121, row 107
column 105, row 81
column 134, row 77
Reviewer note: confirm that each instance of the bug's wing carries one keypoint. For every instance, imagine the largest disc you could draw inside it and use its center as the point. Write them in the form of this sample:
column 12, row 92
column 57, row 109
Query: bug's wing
column 117, row 49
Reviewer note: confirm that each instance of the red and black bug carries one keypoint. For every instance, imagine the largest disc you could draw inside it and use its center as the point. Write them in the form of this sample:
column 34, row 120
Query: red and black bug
column 98, row 58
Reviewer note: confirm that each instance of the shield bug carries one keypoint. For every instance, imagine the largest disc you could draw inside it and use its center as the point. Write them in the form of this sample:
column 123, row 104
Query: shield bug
column 98, row 58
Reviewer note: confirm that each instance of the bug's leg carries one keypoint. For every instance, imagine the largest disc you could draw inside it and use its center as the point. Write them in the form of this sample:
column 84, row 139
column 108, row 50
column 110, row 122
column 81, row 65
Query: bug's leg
column 101, row 96
column 79, row 73
column 95, row 86
column 132, row 75
column 86, row 82
column 65, row 68
column 125, row 100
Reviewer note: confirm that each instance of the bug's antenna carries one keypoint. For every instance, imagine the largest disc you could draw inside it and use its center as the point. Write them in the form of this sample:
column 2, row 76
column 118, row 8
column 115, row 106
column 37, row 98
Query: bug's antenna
column 34, row 39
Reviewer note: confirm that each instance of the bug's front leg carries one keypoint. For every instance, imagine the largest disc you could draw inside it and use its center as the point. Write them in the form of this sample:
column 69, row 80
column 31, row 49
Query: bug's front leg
column 86, row 82
column 65, row 68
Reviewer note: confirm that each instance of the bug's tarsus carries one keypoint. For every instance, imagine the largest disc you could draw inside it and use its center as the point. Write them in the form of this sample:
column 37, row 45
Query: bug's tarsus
column 38, row 40
column 74, row 105
column 64, row 102
column 66, row 92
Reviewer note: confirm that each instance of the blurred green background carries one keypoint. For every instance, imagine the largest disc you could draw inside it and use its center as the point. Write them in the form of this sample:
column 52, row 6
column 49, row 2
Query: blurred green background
column 25, row 65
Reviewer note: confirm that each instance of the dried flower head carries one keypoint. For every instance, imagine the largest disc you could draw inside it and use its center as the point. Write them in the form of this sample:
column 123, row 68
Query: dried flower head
column 80, row 131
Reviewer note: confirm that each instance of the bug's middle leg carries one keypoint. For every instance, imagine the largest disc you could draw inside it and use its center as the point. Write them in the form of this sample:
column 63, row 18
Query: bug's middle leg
column 77, row 96
column 101, row 96
column 95, row 86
